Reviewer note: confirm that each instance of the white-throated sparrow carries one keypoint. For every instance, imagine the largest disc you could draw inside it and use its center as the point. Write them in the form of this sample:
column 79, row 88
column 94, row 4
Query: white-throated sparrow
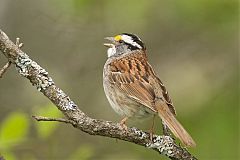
column 133, row 89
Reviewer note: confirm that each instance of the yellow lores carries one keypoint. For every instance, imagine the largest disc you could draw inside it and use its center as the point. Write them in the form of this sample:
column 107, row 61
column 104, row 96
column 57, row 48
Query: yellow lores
column 117, row 38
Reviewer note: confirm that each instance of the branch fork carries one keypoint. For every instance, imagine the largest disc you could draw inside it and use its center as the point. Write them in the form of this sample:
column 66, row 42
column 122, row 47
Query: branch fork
column 8, row 64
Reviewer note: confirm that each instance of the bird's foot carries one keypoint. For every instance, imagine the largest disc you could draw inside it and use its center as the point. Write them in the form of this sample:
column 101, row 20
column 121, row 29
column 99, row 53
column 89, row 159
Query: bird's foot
column 123, row 123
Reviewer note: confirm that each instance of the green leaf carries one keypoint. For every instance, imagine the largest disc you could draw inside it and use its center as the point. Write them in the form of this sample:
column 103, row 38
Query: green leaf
column 13, row 129
column 45, row 129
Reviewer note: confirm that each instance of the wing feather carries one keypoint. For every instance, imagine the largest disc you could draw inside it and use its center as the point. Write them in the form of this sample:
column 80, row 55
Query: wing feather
column 134, row 81
column 135, row 76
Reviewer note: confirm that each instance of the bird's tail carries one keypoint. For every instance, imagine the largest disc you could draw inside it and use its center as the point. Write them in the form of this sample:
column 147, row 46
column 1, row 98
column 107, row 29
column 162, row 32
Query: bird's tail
column 177, row 129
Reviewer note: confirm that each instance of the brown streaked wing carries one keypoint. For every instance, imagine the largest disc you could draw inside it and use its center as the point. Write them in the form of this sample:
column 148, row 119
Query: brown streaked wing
column 167, row 98
column 130, row 76
column 164, row 91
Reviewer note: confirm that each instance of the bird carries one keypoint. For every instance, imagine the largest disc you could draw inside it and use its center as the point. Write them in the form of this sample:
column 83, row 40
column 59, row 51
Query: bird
column 133, row 89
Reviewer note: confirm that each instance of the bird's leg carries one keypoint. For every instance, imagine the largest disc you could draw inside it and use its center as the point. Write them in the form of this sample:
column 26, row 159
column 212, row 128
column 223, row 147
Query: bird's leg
column 166, row 130
column 151, row 130
column 123, row 123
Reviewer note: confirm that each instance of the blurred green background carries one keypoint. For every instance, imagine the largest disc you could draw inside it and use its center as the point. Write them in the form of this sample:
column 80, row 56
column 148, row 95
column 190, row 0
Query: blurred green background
column 193, row 46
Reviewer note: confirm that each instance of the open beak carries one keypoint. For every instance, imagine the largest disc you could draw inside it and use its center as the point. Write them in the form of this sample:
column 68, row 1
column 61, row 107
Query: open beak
column 109, row 45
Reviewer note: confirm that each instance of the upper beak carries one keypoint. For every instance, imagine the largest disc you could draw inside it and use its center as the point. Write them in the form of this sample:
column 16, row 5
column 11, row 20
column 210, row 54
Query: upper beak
column 111, row 39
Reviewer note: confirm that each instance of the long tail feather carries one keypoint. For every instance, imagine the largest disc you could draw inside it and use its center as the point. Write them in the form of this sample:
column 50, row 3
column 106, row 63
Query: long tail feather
column 177, row 129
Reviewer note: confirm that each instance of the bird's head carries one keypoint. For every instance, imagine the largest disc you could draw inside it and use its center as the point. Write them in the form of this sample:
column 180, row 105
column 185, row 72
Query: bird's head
column 123, row 43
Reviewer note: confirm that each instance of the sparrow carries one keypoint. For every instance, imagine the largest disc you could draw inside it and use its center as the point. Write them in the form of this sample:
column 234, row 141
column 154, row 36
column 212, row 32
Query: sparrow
column 134, row 90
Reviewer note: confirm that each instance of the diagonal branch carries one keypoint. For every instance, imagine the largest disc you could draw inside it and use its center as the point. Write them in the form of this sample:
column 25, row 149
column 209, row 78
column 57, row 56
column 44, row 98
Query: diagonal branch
column 39, row 78
column 4, row 68
column 8, row 64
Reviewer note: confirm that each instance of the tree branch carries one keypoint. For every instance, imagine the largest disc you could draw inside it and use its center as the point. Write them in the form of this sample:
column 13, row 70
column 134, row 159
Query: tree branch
column 41, row 118
column 39, row 78
column 4, row 68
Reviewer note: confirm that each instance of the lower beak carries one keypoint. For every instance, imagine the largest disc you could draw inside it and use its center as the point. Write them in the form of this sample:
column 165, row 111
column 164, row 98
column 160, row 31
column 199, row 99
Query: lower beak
column 109, row 45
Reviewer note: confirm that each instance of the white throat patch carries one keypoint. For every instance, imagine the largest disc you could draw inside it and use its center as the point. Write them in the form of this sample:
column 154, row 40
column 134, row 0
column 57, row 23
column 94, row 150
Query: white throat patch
column 111, row 51
column 129, row 40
